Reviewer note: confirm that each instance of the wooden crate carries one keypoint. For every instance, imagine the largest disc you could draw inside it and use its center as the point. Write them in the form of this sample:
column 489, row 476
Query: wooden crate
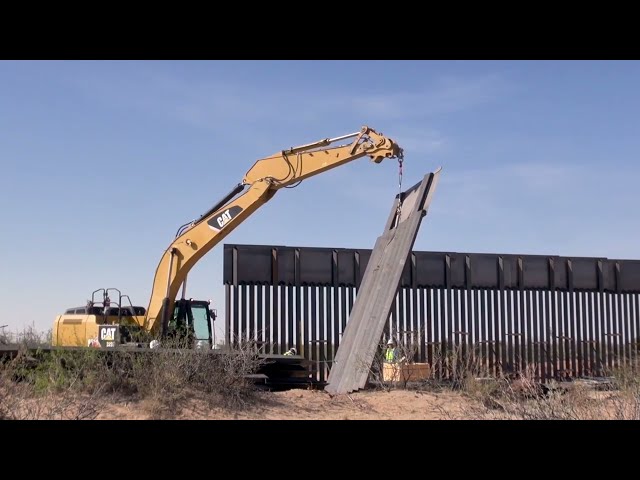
column 405, row 372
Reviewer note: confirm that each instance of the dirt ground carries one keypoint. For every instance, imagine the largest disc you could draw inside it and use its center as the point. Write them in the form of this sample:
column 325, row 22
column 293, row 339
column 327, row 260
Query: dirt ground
column 300, row 404
column 569, row 403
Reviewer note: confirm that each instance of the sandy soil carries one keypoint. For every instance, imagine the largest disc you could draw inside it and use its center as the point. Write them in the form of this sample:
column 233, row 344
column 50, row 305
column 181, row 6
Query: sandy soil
column 302, row 404
column 578, row 402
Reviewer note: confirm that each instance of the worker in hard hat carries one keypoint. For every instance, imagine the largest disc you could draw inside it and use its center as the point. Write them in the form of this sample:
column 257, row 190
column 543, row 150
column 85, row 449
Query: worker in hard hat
column 392, row 352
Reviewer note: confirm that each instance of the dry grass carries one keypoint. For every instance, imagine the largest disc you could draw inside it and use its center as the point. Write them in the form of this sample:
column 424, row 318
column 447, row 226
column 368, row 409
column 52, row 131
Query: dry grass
column 62, row 384
column 29, row 337
column 77, row 384
column 522, row 396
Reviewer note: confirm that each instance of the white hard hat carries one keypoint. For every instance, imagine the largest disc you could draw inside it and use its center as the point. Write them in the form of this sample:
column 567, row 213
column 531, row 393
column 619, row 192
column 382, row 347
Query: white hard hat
column 391, row 341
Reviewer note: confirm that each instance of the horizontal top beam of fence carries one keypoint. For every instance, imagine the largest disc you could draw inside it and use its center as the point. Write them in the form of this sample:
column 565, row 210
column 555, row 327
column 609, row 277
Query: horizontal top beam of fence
column 311, row 266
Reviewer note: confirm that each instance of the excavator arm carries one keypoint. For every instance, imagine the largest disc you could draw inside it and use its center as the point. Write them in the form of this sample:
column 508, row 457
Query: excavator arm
column 259, row 185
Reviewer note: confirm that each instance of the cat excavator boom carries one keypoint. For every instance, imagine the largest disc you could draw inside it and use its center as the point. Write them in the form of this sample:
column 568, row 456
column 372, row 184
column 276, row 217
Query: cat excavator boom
column 195, row 239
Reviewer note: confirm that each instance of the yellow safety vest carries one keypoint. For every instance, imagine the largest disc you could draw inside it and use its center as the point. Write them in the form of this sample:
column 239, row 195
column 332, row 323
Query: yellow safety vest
column 390, row 354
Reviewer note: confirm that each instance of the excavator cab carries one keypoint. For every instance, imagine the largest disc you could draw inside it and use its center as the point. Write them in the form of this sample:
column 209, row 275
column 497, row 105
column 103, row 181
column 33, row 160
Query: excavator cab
column 192, row 321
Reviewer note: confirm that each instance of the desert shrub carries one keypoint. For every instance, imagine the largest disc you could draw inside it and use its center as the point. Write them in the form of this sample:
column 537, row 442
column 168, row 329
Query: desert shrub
column 168, row 376
column 33, row 386
column 29, row 337
column 625, row 404
column 73, row 383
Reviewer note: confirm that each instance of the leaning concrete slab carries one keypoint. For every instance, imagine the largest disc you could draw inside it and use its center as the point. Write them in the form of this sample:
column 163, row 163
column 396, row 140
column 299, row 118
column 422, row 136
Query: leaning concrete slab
column 379, row 287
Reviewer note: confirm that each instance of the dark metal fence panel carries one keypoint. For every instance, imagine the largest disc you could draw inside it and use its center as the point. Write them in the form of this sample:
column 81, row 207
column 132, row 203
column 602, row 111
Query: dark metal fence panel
column 498, row 314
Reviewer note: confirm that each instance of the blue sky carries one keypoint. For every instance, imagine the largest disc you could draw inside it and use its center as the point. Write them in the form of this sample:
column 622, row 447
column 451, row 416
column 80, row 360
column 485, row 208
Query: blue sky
column 102, row 161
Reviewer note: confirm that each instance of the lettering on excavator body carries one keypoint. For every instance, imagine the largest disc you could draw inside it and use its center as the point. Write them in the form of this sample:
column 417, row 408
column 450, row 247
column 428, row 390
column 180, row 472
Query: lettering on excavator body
column 108, row 336
column 221, row 220
column 224, row 218
column 108, row 333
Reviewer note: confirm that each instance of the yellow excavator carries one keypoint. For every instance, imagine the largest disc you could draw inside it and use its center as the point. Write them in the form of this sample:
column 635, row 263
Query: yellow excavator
column 106, row 321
